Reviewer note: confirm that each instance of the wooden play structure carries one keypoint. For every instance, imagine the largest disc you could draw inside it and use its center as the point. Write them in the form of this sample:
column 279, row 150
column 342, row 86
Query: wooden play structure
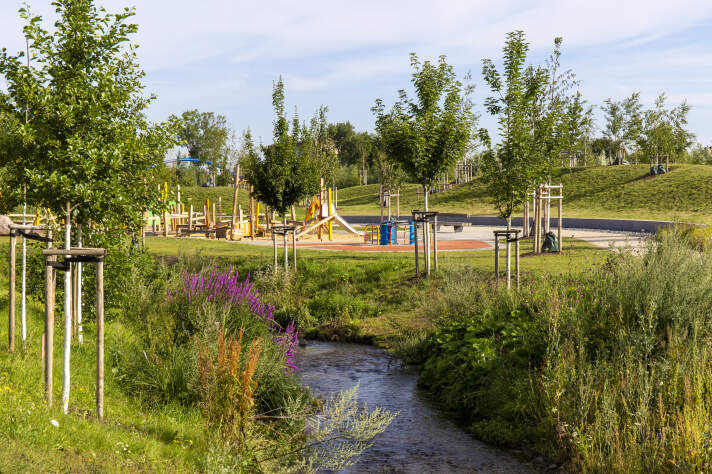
column 541, row 209
column 177, row 220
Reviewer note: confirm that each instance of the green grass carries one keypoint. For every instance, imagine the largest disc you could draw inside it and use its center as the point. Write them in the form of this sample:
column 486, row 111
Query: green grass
column 366, row 295
column 618, row 192
column 133, row 437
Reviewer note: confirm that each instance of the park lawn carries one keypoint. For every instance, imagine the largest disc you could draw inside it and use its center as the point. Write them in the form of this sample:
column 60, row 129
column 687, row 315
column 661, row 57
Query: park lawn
column 365, row 295
column 614, row 192
column 133, row 437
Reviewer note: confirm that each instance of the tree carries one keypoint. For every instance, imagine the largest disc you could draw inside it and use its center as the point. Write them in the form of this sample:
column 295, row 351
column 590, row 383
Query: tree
column 519, row 162
column 323, row 149
column 77, row 134
column 87, row 140
column 663, row 130
column 207, row 136
column 623, row 122
column 428, row 134
column 287, row 171
column 577, row 123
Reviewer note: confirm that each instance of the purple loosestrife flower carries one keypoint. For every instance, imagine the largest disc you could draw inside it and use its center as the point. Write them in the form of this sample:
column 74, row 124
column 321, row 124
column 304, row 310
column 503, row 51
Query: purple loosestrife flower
column 225, row 288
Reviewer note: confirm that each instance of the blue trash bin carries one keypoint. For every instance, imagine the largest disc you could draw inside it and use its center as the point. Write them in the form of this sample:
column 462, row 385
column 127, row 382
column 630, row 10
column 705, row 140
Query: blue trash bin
column 387, row 233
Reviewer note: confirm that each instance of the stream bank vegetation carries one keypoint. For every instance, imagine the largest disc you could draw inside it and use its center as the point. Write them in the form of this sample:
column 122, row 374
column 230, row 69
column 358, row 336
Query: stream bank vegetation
column 607, row 370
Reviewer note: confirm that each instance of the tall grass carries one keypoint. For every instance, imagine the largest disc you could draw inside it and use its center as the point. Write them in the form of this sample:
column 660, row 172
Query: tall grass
column 609, row 370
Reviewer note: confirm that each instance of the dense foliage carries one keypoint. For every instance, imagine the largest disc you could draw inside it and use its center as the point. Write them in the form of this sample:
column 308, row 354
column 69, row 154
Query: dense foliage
column 75, row 128
column 428, row 134
column 608, row 369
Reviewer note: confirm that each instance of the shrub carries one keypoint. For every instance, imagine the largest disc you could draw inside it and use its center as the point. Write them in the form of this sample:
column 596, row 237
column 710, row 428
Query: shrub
column 609, row 369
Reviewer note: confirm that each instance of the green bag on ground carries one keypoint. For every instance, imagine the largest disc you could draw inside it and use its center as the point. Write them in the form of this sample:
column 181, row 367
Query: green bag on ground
column 551, row 243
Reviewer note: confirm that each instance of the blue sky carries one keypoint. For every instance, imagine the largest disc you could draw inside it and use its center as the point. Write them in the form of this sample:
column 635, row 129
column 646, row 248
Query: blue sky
column 222, row 56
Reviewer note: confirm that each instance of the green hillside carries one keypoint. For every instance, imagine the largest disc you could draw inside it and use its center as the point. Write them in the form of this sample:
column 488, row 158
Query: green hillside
column 622, row 192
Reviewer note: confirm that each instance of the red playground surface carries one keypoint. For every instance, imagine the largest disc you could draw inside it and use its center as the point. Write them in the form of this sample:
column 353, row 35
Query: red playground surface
column 444, row 245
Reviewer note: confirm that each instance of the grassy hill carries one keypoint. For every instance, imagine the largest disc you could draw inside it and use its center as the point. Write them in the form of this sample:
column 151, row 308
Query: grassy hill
column 622, row 192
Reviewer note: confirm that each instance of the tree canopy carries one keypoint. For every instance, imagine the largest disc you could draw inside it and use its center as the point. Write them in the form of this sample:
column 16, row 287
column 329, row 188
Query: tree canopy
column 74, row 124
column 287, row 171
column 428, row 134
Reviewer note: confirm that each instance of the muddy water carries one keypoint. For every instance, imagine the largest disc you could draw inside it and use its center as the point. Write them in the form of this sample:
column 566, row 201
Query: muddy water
column 420, row 439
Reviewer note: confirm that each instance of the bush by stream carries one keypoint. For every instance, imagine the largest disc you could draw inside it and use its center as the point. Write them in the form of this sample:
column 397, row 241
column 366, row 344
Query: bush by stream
column 610, row 370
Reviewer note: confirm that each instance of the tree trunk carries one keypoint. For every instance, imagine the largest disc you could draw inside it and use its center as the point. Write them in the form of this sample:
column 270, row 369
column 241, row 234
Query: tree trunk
column 67, row 315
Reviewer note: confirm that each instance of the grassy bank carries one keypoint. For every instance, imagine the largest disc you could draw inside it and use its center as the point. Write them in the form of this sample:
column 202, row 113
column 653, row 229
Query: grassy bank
column 616, row 192
column 362, row 295
column 198, row 379
column 607, row 370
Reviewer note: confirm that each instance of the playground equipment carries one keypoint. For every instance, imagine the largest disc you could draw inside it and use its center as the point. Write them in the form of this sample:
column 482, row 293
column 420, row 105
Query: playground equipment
column 542, row 214
column 321, row 215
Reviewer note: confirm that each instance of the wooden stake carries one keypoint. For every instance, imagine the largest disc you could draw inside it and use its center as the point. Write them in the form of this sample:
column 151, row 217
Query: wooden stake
column 496, row 261
column 415, row 232
column 561, row 205
column 435, row 242
column 294, row 248
column 100, row 339
column 66, row 363
column 11, row 295
column 50, row 275
column 516, row 259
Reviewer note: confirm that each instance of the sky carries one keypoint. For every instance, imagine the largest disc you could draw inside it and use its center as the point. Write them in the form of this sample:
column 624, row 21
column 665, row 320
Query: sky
column 223, row 55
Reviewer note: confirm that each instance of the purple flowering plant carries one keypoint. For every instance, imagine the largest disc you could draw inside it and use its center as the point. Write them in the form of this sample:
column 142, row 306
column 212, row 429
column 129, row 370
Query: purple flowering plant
column 227, row 289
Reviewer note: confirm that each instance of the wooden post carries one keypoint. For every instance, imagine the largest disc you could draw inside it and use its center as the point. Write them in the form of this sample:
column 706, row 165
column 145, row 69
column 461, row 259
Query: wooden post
column 252, row 213
column 11, row 295
column 100, row 339
column 398, row 203
column 214, row 220
column 496, row 260
column 190, row 217
column 525, row 223
column 561, row 205
column 509, row 262
column 66, row 363
column 50, row 275
column 220, row 210
column 426, row 245
column 415, row 231
column 516, row 259
column 380, row 201
column 23, row 283
column 78, row 299
column 274, row 248
column 165, row 223
column 234, row 202
column 294, row 247
column 435, row 242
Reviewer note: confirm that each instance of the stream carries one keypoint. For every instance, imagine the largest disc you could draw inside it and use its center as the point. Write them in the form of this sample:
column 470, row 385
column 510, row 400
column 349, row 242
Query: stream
column 421, row 439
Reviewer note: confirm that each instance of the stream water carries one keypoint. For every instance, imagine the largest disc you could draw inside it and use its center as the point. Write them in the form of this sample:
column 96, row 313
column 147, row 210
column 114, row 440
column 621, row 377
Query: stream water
column 420, row 439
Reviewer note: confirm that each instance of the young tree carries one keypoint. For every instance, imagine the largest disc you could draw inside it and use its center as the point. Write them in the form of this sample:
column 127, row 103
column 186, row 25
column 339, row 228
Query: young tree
column 577, row 123
column 287, row 171
column 429, row 134
column 623, row 122
column 520, row 161
column 78, row 136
